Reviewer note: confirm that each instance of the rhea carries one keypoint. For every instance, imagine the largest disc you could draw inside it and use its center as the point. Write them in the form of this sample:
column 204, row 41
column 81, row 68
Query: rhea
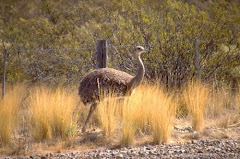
column 105, row 80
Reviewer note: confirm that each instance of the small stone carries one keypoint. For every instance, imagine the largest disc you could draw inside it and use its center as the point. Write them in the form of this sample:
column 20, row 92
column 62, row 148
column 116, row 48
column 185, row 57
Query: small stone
column 152, row 152
column 217, row 149
column 108, row 151
column 119, row 156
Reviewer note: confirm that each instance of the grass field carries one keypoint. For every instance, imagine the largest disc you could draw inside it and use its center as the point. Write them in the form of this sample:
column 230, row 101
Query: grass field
column 41, row 118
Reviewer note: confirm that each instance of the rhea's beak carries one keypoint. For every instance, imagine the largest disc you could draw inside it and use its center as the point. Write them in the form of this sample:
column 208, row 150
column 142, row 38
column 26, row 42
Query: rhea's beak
column 145, row 50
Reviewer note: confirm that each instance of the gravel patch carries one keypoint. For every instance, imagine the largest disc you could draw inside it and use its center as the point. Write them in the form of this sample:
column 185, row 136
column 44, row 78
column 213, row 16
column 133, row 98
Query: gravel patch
column 200, row 149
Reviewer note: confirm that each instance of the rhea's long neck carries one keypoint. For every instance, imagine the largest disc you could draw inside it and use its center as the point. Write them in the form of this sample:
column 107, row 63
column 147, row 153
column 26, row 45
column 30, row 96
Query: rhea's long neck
column 140, row 74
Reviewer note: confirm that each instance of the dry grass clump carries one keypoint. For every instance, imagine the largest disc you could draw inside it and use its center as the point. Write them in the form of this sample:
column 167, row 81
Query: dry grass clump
column 38, row 101
column 223, row 106
column 227, row 120
column 148, row 106
column 220, row 100
column 237, row 101
column 163, row 119
column 9, row 111
column 196, row 96
column 130, row 117
column 135, row 109
column 107, row 115
column 51, row 113
column 128, row 126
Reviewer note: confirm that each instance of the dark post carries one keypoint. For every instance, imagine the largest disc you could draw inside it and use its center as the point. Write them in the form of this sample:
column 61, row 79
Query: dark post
column 101, row 54
column 4, row 73
column 197, row 59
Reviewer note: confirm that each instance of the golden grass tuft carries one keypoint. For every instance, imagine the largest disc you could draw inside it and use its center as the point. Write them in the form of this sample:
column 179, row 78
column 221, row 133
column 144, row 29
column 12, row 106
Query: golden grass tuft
column 128, row 125
column 128, row 132
column 107, row 114
column 148, row 106
column 196, row 97
column 52, row 113
column 237, row 100
column 9, row 111
column 223, row 106
column 220, row 100
column 163, row 119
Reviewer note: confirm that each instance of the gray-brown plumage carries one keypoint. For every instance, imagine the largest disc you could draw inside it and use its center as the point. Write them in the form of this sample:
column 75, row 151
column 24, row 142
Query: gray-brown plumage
column 105, row 80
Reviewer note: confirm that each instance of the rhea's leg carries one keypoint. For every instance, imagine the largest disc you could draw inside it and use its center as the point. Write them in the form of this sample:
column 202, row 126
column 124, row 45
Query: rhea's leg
column 92, row 108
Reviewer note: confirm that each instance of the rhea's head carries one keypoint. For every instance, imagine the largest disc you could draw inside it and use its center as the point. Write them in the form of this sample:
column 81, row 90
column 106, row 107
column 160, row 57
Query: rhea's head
column 138, row 50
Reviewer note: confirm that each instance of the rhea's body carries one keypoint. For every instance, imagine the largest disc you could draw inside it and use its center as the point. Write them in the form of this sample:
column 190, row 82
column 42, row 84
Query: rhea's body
column 104, row 80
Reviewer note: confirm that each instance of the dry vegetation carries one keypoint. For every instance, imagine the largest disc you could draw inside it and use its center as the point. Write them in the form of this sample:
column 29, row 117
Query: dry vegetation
column 51, row 113
column 48, row 117
column 9, row 108
column 195, row 96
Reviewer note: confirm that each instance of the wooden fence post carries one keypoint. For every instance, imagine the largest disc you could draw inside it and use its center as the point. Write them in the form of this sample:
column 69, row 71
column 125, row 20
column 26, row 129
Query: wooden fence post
column 101, row 54
column 197, row 59
column 4, row 73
